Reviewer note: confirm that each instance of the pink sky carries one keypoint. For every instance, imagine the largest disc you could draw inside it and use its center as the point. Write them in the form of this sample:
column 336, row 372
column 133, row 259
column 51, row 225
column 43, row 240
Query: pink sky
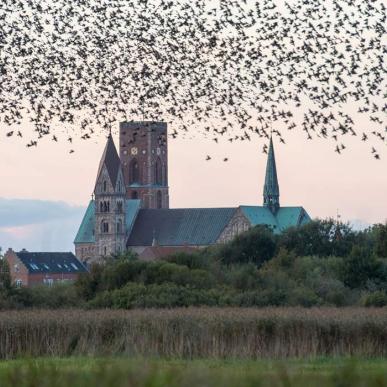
column 310, row 174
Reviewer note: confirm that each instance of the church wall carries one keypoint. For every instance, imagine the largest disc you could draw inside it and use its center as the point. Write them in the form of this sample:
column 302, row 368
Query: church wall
column 85, row 252
column 237, row 225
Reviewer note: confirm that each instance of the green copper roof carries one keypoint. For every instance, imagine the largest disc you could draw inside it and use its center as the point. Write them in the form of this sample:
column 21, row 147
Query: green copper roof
column 132, row 208
column 285, row 217
column 291, row 216
column 259, row 215
column 271, row 188
column 86, row 230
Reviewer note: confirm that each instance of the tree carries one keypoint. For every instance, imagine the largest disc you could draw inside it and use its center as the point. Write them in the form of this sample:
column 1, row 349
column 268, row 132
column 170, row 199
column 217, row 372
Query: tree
column 256, row 245
column 5, row 277
column 319, row 237
column 381, row 240
column 360, row 267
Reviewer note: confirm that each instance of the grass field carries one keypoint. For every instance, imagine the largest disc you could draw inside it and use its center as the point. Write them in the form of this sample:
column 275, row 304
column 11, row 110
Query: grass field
column 216, row 333
column 118, row 372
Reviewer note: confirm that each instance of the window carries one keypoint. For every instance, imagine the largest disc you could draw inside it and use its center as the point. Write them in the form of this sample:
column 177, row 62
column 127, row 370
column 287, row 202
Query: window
column 105, row 186
column 74, row 266
column 119, row 186
column 159, row 199
column 158, row 172
column 134, row 195
column 48, row 281
column 104, row 227
column 134, row 172
column 119, row 226
column 101, row 207
column 105, row 251
column 119, row 207
column 18, row 283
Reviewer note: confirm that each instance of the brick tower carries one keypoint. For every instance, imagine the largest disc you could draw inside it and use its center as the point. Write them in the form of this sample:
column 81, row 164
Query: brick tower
column 144, row 158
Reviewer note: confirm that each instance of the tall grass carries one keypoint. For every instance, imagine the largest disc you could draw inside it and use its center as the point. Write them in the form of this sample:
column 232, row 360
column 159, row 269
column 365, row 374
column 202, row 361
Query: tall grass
column 196, row 333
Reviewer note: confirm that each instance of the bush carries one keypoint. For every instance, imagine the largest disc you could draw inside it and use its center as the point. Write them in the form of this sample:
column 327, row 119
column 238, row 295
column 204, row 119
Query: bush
column 256, row 245
column 377, row 299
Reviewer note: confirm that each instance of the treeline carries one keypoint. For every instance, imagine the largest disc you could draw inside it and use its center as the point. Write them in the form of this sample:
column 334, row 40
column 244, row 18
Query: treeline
column 322, row 263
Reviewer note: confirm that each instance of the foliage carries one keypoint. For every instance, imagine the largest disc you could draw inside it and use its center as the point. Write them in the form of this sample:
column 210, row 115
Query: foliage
column 381, row 239
column 256, row 245
column 320, row 237
column 321, row 263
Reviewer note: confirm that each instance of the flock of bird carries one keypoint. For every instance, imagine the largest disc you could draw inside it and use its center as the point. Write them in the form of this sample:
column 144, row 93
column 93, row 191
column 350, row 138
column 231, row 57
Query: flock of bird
column 225, row 69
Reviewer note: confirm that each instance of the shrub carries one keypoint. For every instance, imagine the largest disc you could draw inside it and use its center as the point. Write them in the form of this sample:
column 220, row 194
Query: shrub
column 256, row 245
column 377, row 299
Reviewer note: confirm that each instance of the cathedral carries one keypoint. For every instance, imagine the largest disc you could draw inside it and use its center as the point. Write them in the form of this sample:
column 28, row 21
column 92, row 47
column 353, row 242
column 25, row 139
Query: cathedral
column 130, row 204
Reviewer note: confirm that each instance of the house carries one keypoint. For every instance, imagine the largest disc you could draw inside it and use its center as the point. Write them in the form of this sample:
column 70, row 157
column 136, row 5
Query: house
column 29, row 269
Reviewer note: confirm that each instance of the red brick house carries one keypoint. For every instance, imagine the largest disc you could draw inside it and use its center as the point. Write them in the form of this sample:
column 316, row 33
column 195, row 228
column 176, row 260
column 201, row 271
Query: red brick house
column 29, row 269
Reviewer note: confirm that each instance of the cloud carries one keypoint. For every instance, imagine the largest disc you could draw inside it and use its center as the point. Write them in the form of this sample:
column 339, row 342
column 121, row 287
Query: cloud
column 21, row 212
column 38, row 225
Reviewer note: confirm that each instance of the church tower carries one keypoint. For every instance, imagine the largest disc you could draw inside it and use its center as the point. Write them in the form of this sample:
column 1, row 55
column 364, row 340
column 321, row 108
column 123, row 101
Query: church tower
column 271, row 188
column 109, row 196
column 144, row 157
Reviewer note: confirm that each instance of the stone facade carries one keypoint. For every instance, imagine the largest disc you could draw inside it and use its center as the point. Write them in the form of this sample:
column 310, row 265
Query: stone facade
column 110, row 233
column 86, row 251
column 144, row 157
column 238, row 224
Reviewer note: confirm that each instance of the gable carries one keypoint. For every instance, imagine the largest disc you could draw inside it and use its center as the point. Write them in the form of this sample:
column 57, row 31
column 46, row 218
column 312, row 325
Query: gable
column 111, row 161
column 179, row 227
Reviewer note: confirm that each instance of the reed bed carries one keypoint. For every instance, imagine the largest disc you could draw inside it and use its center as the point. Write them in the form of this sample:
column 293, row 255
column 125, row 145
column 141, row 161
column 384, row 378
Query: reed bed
column 218, row 333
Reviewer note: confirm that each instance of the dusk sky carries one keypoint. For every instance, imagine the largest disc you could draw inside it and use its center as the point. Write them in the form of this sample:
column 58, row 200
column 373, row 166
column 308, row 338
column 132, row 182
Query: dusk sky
column 52, row 187
column 45, row 189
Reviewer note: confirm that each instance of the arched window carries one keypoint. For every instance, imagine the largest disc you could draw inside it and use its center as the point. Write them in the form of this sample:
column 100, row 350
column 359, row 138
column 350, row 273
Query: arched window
column 119, row 226
column 105, row 186
column 159, row 199
column 104, row 227
column 134, row 195
column 134, row 172
column 158, row 172
column 101, row 207
column 105, row 251
column 119, row 207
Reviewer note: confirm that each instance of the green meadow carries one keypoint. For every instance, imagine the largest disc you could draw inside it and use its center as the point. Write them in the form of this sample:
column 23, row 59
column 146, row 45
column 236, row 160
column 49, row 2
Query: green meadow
column 120, row 372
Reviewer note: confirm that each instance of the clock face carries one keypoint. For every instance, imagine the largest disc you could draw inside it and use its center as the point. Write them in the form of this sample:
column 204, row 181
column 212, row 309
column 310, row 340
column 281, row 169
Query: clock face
column 134, row 151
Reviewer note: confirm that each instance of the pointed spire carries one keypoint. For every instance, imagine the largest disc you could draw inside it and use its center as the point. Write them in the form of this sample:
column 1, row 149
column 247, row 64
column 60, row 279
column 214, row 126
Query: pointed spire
column 271, row 189
column 111, row 160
